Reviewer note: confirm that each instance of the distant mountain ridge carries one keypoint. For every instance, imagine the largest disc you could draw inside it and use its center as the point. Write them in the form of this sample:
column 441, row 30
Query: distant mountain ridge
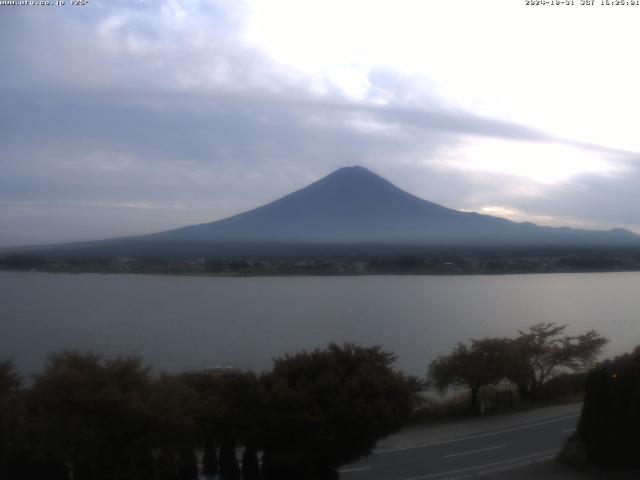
column 353, row 206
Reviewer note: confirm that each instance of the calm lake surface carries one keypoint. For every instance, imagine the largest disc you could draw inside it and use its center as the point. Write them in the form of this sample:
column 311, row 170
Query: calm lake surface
column 180, row 323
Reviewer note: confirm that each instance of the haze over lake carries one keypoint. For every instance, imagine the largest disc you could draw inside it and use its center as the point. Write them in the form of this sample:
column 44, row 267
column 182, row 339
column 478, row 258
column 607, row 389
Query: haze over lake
column 185, row 322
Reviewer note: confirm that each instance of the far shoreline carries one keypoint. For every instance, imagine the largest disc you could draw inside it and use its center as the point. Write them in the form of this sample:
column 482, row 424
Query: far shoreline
column 316, row 275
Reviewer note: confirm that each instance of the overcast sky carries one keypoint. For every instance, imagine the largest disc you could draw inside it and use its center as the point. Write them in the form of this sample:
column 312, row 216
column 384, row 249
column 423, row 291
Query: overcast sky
column 128, row 117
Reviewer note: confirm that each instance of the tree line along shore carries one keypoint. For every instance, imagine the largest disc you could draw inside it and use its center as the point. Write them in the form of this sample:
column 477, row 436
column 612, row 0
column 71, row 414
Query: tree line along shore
column 338, row 265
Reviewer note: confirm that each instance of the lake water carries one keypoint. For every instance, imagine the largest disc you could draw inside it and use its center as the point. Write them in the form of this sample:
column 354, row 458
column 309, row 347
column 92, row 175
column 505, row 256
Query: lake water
column 180, row 323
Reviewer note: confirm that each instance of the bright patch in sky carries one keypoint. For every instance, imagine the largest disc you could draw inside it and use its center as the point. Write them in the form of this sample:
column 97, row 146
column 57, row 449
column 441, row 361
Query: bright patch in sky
column 541, row 162
column 520, row 216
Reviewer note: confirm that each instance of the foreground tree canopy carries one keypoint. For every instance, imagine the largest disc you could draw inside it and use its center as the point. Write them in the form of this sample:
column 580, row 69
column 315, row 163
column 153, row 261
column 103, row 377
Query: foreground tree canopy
column 90, row 418
column 607, row 432
column 528, row 361
column 350, row 396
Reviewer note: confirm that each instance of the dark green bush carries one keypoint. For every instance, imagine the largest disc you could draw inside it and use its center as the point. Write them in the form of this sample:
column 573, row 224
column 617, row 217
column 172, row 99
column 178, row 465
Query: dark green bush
column 566, row 386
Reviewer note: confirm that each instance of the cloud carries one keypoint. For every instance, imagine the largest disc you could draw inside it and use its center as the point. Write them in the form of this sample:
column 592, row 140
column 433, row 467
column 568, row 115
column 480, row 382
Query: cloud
column 596, row 200
column 138, row 117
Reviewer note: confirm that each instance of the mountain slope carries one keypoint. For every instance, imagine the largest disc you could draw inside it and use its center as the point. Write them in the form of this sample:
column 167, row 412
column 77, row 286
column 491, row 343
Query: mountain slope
column 357, row 206
column 352, row 206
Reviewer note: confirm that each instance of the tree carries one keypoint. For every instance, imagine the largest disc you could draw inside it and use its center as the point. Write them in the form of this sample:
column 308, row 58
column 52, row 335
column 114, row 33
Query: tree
column 475, row 366
column 91, row 414
column 111, row 419
column 250, row 464
column 229, row 468
column 209, row 457
column 172, row 404
column 607, row 432
column 329, row 407
column 10, row 383
column 543, row 351
column 187, row 464
column 230, row 411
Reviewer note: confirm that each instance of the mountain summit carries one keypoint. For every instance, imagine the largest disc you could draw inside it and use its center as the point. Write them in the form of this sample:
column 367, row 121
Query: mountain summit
column 351, row 206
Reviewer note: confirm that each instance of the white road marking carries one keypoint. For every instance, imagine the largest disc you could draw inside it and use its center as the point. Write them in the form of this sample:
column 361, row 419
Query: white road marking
column 486, row 465
column 469, row 452
column 358, row 469
column 471, row 437
column 569, row 430
column 512, row 466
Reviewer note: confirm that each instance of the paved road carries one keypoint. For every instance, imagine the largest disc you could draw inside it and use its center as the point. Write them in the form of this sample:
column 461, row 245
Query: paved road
column 477, row 454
